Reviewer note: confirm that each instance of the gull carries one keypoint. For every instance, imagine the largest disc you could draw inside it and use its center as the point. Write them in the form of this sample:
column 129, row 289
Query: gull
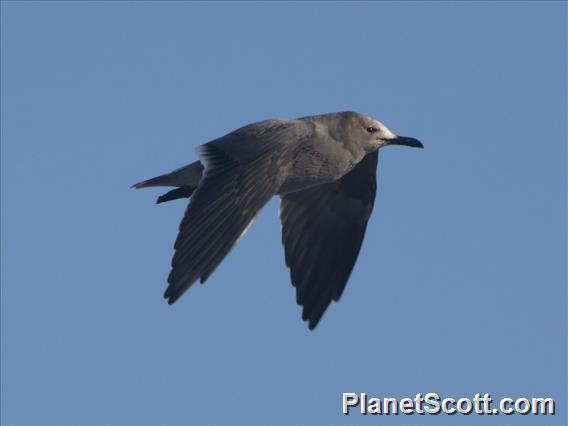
column 323, row 167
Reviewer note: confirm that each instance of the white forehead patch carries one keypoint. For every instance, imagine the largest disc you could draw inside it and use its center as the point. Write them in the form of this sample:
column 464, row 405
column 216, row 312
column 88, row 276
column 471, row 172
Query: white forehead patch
column 384, row 130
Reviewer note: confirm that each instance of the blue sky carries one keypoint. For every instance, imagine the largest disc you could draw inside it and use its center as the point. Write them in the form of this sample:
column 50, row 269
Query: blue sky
column 461, row 283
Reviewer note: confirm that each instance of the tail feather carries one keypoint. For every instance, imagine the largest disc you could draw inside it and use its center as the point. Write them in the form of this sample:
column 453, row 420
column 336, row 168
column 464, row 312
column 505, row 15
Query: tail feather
column 175, row 194
column 184, row 177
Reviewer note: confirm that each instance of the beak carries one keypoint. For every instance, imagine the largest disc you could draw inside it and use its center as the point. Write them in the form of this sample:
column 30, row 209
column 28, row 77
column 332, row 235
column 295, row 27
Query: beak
column 403, row 140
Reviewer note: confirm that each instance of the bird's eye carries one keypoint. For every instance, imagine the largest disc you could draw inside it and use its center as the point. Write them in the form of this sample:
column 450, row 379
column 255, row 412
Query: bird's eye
column 371, row 129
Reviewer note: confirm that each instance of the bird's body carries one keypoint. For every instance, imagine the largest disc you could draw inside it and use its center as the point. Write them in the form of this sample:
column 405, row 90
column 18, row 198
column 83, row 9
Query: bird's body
column 323, row 167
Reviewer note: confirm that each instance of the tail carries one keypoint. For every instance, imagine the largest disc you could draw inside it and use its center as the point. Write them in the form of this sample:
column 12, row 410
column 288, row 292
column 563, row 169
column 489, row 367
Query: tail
column 185, row 179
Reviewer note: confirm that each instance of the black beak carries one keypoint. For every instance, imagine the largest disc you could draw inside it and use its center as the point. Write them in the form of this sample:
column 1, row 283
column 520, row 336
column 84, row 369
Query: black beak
column 403, row 140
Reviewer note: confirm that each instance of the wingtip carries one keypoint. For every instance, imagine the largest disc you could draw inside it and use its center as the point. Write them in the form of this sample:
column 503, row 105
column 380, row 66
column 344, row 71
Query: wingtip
column 313, row 317
column 170, row 299
column 170, row 296
column 311, row 320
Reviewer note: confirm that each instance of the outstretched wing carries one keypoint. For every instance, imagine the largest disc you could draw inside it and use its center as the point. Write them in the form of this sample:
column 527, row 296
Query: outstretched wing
column 322, row 232
column 228, row 197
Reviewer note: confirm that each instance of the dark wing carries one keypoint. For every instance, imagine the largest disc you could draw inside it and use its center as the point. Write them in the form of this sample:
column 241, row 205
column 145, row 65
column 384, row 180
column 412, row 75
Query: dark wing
column 322, row 232
column 228, row 197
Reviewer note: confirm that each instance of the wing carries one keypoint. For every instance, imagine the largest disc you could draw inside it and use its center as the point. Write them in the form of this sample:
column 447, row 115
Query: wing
column 322, row 232
column 224, row 204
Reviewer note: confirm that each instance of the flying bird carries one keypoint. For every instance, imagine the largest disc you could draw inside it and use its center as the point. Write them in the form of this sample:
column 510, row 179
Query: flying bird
column 323, row 167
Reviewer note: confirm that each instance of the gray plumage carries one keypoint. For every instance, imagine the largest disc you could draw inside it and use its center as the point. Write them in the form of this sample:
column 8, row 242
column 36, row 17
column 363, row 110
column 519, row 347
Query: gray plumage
column 324, row 169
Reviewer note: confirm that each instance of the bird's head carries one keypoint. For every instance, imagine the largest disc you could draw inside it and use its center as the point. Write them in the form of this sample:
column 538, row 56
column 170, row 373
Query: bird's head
column 375, row 134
